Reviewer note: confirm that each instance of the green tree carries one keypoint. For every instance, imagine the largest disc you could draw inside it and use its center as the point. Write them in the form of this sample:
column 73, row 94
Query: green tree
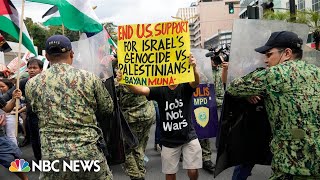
column 72, row 35
column 37, row 32
column 112, row 30
column 309, row 17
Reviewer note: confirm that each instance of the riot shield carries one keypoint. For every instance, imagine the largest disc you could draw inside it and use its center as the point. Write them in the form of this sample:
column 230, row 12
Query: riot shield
column 203, row 65
column 249, row 34
column 312, row 56
column 93, row 55
column 204, row 106
column 244, row 134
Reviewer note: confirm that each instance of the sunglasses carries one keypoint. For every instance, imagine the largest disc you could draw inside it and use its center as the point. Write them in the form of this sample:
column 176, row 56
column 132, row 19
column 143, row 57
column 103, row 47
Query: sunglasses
column 269, row 54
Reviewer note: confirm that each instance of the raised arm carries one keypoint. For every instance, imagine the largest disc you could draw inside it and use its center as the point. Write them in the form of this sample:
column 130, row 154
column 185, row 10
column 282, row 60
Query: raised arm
column 193, row 63
column 11, row 104
column 224, row 75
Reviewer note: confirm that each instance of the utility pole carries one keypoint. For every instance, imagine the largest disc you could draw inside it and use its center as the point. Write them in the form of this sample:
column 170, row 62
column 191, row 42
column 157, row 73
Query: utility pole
column 260, row 2
column 292, row 10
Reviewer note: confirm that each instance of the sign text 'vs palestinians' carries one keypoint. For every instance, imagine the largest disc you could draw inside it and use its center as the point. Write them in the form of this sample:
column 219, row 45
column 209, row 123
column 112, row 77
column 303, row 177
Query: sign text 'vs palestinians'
column 154, row 54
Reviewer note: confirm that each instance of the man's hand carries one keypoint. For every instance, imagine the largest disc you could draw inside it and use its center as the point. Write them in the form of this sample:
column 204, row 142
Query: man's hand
column 16, row 94
column 225, row 65
column 253, row 99
column 192, row 61
column 2, row 120
column 119, row 75
column 224, row 75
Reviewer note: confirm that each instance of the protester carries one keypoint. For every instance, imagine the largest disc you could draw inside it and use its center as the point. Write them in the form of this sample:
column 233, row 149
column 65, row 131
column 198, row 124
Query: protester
column 7, row 95
column 9, row 151
column 140, row 115
column 291, row 90
column 35, row 67
column 176, row 99
column 10, row 119
column 65, row 100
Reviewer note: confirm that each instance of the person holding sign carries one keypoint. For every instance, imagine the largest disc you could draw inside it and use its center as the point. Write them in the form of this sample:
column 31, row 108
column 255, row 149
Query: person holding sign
column 177, row 132
column 291, row 91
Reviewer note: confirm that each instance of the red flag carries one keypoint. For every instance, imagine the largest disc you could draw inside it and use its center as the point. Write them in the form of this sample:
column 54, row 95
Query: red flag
column 4, row 7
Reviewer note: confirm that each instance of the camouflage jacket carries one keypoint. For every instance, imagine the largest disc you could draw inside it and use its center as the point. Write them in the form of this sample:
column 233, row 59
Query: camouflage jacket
column 66, row 100
column 292, row 98
column 218, row 85
column 135, row 107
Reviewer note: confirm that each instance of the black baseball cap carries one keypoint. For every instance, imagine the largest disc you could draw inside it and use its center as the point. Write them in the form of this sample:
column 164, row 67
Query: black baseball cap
column 281, row 39
column 57, row 44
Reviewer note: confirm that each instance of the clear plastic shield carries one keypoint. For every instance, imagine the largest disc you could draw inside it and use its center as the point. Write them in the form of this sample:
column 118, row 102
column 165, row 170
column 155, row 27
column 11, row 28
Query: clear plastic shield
column 93, row 55
column 203, row 65
column 311, row 55
column 249, row 34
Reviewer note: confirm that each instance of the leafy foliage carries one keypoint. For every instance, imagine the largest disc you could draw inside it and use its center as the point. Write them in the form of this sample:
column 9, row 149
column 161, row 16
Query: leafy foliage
column 309, row 17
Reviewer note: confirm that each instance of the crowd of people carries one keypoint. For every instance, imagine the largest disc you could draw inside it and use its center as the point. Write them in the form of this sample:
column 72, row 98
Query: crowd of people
column 61, row 104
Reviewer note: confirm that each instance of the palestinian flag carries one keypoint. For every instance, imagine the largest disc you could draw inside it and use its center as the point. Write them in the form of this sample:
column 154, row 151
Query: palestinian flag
column 9, row 18
column 4, row 46
column 52, row 17
column 111, row 42
column 76, row 15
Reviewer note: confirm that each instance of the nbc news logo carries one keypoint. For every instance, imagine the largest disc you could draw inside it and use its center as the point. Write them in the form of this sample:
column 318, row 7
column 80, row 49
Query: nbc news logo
column 19, row 165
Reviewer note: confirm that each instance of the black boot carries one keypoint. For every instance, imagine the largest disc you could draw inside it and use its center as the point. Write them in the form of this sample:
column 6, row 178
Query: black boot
column 208, row 166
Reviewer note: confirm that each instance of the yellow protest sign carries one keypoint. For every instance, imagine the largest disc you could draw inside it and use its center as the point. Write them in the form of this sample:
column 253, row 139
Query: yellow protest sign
column 155, row 54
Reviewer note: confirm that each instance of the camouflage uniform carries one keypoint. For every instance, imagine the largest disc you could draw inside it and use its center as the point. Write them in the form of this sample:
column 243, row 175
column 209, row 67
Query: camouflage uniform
column 65, row 100
column 292, row 98
column 218, row 87
column 140, row 115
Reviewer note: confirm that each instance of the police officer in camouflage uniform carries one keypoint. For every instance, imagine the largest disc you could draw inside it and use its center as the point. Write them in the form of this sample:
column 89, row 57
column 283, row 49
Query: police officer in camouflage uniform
column 291, row 89
column 66, row 100
column 140, row 115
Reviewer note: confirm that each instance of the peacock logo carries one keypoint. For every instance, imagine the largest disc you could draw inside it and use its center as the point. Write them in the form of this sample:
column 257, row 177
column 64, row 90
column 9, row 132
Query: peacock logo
column 19, row 165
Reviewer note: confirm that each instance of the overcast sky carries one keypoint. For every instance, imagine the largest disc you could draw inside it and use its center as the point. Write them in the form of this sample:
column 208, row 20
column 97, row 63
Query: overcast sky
column 119, row 11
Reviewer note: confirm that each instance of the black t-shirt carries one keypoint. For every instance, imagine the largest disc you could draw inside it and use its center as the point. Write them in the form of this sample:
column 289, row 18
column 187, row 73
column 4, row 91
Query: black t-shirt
column 175, row 114
column 3, row 103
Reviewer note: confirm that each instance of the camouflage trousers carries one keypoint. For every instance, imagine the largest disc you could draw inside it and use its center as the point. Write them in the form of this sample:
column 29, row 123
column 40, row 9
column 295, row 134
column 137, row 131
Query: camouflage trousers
column 282, row 176
column 103, row 174
column 134, row 163
column 206, row 149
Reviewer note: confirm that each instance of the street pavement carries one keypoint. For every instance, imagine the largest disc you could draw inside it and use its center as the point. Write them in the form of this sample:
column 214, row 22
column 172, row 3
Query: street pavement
column 153, row 167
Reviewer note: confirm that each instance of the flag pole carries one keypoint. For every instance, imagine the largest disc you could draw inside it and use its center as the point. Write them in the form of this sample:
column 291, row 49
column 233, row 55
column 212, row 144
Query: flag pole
column 62, row 26
column 19, row 59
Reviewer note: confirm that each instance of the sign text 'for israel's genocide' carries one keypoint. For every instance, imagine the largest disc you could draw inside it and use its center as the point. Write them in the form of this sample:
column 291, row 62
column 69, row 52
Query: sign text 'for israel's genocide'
column 154, row 54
